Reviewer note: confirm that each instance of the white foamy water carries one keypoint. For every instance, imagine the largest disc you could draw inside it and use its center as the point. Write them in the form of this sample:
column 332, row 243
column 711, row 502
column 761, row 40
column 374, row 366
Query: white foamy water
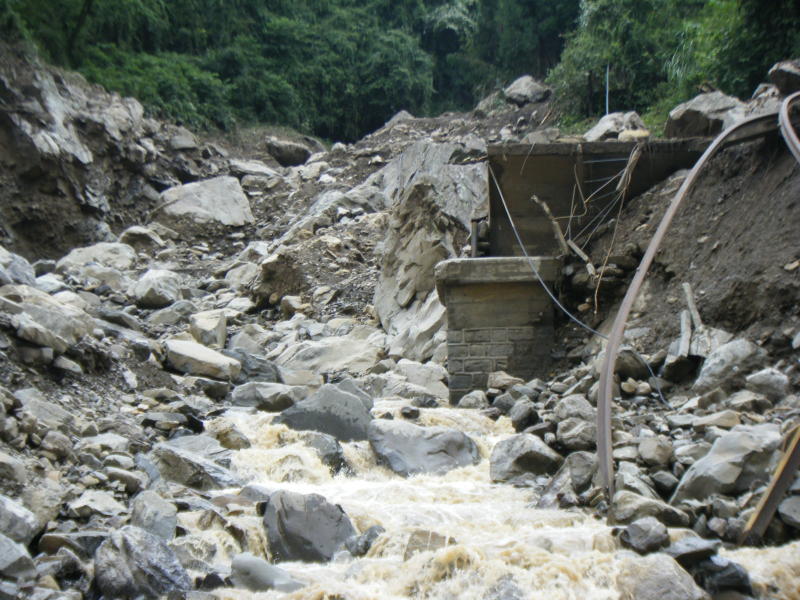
column 503, row 548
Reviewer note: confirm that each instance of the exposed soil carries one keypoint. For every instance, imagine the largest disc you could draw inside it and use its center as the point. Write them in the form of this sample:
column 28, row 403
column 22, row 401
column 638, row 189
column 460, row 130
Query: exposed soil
column 735, row 240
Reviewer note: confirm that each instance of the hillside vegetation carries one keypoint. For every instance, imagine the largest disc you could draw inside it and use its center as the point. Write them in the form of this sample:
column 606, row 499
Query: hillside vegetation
column 340, row 68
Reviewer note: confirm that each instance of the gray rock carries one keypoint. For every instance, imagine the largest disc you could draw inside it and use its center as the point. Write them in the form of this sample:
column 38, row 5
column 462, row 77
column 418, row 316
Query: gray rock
column 329, row 410
column 218, row 200
column 786, row 76
column 577, row 434
column 408, row 449
column 157, row 288
column 645, row 535
column 196, row 359
column 735, row 461
column 718, row 575
column 474, row 399
column 254, row 367
column 523, row 414
column 270, row 397
column 16, row 521
column 134, row 563
column 84, row 543
column 305, row 527
column 789, row 511
column 690, row 550
column 15, row 269
column 328, row 449
column 153, row 513
column 576, row 406
column 655, row 451
column 109, row 254
column 57, row 443
column 627, row 507
column 704, row 115
column 526, row 90
column 286, row 152
column 770, row 382
column 656, row 577
column 728, row 363
column 521, row 457
column 257, row 575
column 360, row 545
column 191, row 469
column 15, row 562
column 612, row 124
column 95, row 502
column 12, row 470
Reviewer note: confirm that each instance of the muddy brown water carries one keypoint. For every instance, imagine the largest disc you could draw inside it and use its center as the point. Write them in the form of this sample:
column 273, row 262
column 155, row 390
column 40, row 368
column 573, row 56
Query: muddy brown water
column 499, row 536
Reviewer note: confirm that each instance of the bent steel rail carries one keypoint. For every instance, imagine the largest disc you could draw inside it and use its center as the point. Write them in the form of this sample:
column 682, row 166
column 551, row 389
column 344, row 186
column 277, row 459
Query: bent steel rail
column 745, row 130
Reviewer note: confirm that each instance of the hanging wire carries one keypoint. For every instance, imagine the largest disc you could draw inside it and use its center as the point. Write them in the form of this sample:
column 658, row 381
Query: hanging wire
column 549, row 292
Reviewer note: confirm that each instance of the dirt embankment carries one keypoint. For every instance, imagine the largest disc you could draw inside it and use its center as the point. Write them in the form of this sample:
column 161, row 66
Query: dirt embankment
column 735, row 240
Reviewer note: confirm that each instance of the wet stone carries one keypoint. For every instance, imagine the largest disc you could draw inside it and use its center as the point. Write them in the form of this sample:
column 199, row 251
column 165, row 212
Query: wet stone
column 257, row 575
column 305, row 527
column 133, row 562
column 645, row 535
column 691, row 550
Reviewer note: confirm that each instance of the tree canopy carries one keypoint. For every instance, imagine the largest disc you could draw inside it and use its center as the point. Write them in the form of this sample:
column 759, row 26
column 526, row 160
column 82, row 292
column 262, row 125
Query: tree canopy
column 340, row 68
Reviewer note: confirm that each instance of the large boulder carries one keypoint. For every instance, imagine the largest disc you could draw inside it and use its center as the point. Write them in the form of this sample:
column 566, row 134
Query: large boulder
column 612, row 124
column 786, row 76
column 329, row 410
column 627, row 507
column 704, row 115
column 656, row 577
column 257, row 575
column 356, row 353
column 133, row 563
column 15, row 269
column 270, row 397
column 408, row 449
column 526, row 90
column 15, row 561
column 305, row 527
column 219, row 200
column 196, row 359
column 157, row 288
column 736, row 460
column 287, row 152
column 522, row 457
column 109, row 254
column 16, row 521
column 153, row 513
column 728, row 364
column 190, row 468
column 432, row 203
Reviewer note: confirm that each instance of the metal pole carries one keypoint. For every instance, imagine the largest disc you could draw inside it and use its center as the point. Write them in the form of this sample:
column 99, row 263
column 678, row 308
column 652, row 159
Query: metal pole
column 607, row 77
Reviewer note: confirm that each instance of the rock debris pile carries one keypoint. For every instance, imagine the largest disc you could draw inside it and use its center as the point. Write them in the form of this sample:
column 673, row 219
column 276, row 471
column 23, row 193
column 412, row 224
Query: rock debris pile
column 244, row 388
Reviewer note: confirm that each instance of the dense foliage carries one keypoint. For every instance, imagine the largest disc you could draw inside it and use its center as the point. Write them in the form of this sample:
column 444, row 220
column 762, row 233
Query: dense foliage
column 340, row 68
column 660, row 52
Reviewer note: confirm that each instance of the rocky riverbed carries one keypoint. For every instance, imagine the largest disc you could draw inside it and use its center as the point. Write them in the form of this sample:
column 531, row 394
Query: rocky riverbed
column 230, row 381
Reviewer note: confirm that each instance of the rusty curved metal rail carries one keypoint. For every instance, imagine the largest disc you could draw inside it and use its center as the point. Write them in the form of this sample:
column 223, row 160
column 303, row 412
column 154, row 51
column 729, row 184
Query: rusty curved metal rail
column 736, row 133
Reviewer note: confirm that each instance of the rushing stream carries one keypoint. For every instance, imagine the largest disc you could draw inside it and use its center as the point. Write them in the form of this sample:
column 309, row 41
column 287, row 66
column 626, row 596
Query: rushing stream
column 501, row 547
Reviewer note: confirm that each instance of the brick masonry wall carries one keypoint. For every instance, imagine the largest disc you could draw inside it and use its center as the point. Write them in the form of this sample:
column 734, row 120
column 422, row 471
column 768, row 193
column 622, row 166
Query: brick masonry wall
column 474, row 353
